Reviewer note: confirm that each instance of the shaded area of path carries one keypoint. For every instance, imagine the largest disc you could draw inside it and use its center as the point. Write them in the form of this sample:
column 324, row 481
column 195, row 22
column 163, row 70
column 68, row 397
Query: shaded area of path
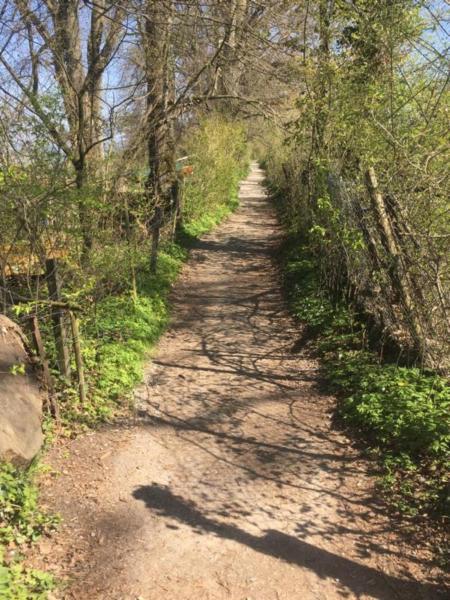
column 232, row 482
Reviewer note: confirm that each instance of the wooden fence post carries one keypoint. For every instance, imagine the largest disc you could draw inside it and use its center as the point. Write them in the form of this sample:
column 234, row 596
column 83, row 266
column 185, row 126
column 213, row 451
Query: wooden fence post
column 33, row 326
column 39, row 347
column 176, row 211
column 59, row 328
column 398, row 272
column 78, row 357
column 157, row 222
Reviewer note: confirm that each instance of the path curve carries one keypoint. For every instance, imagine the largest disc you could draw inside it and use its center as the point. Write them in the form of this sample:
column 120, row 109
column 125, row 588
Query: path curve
column 232, row 484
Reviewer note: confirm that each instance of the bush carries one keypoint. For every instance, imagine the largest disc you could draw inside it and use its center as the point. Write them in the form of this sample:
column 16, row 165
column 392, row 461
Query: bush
column 218, row 152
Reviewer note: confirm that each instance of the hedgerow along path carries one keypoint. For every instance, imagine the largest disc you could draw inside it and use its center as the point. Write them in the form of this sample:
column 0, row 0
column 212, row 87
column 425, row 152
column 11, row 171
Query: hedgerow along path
column 232, row 482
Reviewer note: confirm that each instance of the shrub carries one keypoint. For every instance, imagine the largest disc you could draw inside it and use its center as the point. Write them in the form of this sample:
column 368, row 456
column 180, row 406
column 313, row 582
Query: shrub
column 218, row 152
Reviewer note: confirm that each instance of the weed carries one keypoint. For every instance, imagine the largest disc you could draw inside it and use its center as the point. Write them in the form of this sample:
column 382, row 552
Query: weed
column 21, row 521
column 20, row 583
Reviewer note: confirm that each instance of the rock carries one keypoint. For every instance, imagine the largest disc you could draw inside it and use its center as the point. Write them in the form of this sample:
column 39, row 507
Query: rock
column 20, row 398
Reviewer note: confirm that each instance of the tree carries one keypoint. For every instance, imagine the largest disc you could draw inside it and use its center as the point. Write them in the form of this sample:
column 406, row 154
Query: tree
column 61, row 33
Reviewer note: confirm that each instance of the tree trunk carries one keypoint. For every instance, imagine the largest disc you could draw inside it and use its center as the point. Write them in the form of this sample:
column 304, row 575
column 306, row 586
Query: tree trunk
column 228, row 70
column 159, row 72
column 323, row 83
column 83, row 209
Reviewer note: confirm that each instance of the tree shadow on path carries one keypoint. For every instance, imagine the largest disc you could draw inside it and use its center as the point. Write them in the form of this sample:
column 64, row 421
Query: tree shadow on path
column 353, row 577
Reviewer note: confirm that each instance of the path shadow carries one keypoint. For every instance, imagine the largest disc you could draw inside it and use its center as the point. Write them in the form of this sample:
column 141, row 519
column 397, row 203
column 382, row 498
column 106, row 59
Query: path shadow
column 255, row 458
column 198, row 424
column 351, row 576
column 240, row 386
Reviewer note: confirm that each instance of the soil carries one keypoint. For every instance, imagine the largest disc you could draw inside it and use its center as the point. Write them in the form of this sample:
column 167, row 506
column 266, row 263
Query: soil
column 231, row 481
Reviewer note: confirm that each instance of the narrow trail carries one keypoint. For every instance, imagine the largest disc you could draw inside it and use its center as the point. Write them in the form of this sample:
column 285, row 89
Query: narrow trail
column 232, row 483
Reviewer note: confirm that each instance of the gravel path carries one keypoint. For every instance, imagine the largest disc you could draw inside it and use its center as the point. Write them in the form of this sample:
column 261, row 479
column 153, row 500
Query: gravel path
column 232, row 483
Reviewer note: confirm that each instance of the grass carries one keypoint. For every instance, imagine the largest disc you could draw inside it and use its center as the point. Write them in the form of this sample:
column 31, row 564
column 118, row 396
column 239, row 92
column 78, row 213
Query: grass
column 402, row 414
column 208, row 221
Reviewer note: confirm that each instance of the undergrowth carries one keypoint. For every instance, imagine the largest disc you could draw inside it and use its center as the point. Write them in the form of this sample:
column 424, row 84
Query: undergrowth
column 208, row 221
column 117, row 335
column 401, row 413
column 21, row 523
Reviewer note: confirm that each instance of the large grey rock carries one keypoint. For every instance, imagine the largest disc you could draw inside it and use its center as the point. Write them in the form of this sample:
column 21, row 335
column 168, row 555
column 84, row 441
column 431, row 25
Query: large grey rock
column 20, row 399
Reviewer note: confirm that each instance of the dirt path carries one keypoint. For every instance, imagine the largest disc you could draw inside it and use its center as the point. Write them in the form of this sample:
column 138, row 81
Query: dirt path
column 232, row 483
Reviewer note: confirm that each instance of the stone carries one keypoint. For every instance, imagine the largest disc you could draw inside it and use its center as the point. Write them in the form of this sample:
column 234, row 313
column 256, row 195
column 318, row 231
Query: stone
column 20, row 398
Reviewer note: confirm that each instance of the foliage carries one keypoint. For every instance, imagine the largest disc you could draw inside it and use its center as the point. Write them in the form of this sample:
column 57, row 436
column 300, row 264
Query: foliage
column 218, row 153
column 119, row 335
column 402, row 413
column 371, row 99
column 21, row 522
column 20, row 518
column 20, row 583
